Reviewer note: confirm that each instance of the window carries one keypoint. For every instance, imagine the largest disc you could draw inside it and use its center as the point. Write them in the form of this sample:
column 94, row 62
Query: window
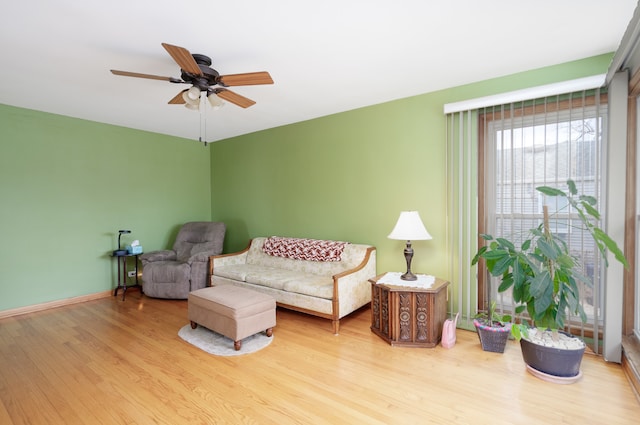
column 542, row 143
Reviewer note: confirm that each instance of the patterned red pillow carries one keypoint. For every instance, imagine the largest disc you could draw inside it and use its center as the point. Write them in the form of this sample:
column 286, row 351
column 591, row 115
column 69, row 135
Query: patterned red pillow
column 303, row 249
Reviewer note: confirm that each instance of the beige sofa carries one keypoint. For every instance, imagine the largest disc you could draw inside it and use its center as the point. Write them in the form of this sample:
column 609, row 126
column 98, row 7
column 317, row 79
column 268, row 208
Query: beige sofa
column 328, row 279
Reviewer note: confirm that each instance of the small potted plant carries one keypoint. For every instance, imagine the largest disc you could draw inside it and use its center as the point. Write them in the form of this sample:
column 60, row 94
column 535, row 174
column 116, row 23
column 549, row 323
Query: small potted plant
column 493, row 329
column 544, row 276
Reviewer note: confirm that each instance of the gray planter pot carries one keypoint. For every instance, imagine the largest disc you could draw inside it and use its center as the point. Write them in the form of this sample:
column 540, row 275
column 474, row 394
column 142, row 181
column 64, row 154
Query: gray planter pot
column 552, row 361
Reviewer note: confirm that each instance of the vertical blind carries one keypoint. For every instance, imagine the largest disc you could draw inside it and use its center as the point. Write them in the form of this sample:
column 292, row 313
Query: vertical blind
column 462, row 214
column 497, row 156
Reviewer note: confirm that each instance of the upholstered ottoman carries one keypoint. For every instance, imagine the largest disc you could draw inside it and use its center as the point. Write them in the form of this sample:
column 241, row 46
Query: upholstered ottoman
column 232, row 311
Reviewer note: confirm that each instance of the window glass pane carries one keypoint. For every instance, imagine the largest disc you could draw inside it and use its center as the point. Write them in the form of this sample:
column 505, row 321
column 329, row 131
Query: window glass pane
column 528, row 146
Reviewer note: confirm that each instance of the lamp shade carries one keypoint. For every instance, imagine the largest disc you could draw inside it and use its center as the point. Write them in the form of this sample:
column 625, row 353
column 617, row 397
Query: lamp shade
column 191, row 100
column 215, row 101
column 193, row 93
column 409, row 228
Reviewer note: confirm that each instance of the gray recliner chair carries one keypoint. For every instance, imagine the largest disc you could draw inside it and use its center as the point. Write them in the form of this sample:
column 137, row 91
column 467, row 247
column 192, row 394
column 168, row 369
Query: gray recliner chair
column 175, row 273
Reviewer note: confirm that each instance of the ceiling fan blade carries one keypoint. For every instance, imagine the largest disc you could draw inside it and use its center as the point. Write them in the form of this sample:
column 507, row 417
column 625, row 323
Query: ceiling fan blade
column 234, row 98
column 178, row 99
column 183, row 58
column 138, row 75
column 246, row 79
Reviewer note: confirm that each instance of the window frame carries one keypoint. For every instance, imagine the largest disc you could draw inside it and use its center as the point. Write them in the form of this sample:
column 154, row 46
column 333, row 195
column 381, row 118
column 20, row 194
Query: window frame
column 485, row 198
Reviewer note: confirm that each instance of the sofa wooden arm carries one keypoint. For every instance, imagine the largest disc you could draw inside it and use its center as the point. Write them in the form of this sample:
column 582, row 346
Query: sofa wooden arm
column 357, row 279
column 239, row 257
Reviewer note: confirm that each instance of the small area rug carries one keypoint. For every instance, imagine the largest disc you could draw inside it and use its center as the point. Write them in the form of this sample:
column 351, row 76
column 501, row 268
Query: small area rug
column 220, row 345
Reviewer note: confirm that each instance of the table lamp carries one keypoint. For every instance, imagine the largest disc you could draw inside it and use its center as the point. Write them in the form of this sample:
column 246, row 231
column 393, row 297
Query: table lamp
column 409, row 228
column 120, row 251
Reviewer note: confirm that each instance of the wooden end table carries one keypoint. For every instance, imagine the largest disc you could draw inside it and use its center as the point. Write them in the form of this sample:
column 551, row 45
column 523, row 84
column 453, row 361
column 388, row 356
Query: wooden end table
column 408, row 316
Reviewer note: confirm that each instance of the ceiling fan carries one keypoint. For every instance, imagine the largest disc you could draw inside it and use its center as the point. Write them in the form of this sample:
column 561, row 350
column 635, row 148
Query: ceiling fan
column 196, row 70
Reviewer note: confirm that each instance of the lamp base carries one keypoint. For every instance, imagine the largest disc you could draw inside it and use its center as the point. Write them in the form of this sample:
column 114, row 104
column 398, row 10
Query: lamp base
column 119, row 252
column 408, row 255
column 409, row 276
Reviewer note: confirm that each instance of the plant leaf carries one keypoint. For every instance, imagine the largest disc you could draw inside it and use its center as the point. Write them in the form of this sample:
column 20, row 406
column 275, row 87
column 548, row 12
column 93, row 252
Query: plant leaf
column 494, row 254
column 584, row 279
column 583, row 315
column 611, row 245
column 537, row 231
column 591, row 211
column 505, row 243
column 515, row 331
column 587, row 199
column 540, row 284
column 505, row 283
column 565, row 261
column 501, row 265
column 547, row 249
column 572, row 187
column 551, row 191
column 572, row 300
column 476, row 257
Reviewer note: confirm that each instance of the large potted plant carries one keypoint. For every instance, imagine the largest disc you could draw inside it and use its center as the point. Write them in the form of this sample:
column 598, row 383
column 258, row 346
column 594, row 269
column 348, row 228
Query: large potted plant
column 544, row 277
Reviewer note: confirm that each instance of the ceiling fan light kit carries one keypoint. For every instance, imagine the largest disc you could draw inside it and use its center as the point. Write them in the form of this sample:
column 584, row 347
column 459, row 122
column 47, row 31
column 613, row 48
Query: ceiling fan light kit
column 195, row 69
column 215, row 101
column 193, row 93
column 191, row 102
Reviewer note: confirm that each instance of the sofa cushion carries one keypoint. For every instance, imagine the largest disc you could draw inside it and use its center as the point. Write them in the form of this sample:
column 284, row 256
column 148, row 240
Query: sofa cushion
column 236, row 271
column 311, row 285
column 288, row 280
column 259, row 275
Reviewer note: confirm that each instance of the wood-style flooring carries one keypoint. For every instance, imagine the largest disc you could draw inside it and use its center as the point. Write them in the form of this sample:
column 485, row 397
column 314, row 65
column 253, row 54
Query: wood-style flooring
column 113, row 362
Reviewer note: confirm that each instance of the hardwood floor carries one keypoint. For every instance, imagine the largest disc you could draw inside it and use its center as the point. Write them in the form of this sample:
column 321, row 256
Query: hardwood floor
column 113, row 362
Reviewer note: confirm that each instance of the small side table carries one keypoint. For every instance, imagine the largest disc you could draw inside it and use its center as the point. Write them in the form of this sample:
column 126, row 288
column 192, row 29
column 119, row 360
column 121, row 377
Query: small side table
column 408, row 316
column 122, row 274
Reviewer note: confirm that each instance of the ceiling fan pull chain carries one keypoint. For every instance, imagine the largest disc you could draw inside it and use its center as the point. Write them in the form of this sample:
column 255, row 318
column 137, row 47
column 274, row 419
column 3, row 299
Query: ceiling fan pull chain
column 205, row 119
column 201, row 112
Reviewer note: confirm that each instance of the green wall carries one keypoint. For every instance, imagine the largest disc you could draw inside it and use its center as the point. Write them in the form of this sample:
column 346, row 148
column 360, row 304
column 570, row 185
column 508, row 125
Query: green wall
column 68, row 185
column 348, row 176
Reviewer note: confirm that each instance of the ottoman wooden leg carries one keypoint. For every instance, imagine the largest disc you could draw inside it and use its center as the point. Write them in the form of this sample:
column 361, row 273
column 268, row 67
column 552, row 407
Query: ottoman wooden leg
column 193, row 324
column 237, row 345
column 269, row 332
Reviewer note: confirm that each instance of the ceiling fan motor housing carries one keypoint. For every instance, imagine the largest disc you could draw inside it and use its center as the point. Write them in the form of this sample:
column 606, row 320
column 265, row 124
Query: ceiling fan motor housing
column 209, row 75
column 202, row 59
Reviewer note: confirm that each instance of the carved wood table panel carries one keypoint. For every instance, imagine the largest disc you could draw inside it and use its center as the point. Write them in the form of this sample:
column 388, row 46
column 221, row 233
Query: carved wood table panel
column 406, row 316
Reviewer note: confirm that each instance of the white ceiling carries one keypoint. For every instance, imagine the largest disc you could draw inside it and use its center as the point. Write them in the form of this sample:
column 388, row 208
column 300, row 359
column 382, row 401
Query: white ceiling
column 325, row 57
